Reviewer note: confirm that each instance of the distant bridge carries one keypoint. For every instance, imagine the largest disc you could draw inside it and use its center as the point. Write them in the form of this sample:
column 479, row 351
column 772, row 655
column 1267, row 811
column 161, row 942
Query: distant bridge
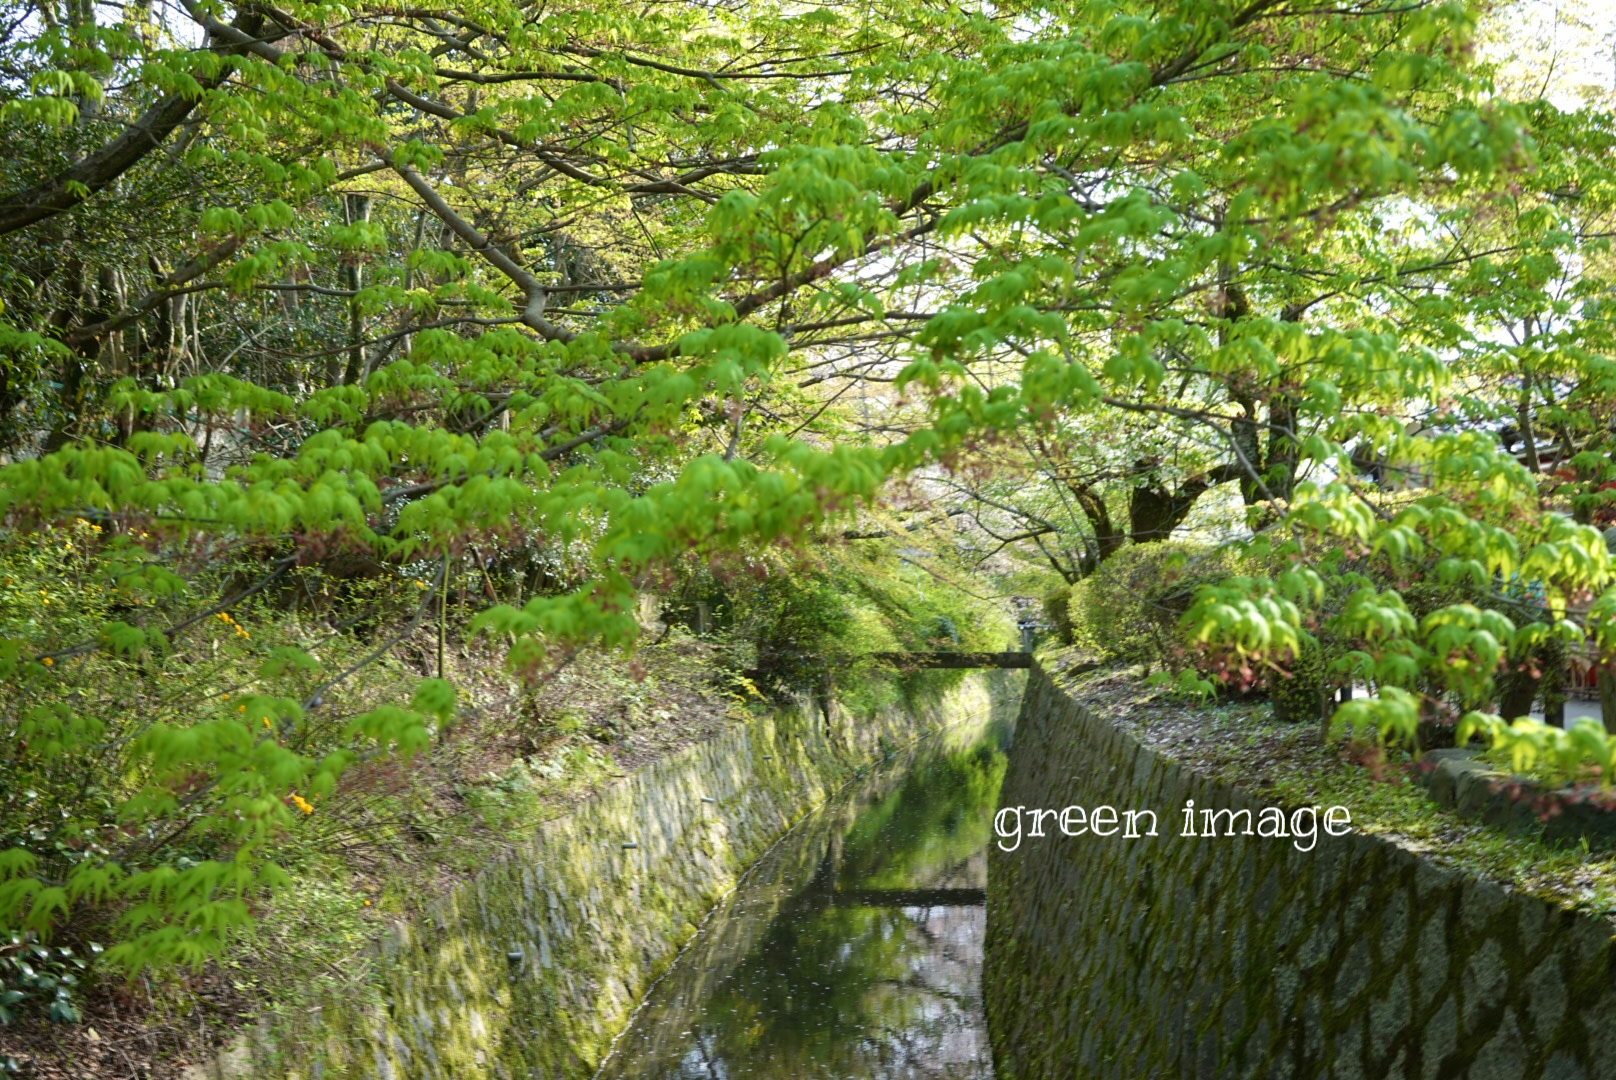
column 956, row 659
column 904, row 897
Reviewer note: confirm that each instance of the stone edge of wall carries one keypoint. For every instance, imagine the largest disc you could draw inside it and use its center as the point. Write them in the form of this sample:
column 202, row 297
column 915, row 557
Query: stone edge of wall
column 534, row 966
column 1459, row 780
column 1242, row 957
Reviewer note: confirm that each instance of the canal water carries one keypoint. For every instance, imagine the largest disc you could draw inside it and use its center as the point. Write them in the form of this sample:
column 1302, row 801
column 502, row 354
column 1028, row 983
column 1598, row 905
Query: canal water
column 852, row 950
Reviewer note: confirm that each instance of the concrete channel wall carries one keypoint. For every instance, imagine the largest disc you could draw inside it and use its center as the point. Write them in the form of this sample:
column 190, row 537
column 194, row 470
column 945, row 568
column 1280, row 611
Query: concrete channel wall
column 531, row 969
column 1243, row 957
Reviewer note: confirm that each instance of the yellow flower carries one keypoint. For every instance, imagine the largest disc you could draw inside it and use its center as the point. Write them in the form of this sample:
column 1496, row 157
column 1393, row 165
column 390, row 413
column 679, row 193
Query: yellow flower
column 47, row 661
column 302, row 803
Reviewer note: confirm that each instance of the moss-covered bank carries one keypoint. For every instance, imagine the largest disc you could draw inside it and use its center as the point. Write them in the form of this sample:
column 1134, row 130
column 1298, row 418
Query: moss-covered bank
column 532, row 968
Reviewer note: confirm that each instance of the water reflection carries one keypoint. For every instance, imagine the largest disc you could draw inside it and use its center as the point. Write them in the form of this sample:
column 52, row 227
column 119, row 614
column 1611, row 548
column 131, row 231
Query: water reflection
column 854, row 950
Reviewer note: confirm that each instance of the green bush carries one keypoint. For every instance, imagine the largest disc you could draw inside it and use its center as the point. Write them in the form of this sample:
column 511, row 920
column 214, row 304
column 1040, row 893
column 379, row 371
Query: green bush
column 151, row 783
column 1298, row 692
column 1127, row 611
column 1058, row 613
column 794, row 621
column 34, row 973
column 813, row 630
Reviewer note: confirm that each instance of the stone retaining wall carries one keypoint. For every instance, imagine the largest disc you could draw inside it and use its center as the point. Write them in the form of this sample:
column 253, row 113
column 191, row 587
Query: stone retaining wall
column 1243, row 957
column 1462, row 781
column 534, row 967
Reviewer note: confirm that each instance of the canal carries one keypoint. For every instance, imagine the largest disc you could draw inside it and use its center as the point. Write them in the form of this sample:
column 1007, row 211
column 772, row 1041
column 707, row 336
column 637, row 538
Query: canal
column 852, row 950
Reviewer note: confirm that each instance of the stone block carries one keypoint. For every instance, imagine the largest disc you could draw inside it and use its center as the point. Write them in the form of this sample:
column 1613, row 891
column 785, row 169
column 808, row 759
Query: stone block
column 1505, row 1056
column 1446, row 767
column 1479, row 903
column 1513, row 810
column 1394, row 924
column 1533, row 921
column 1545, row 998
column 1562, row 1066
column 1345, row 1054
column 1319, row 945
column 1353, row 974
column 1389, row 1016
column 1476, row 790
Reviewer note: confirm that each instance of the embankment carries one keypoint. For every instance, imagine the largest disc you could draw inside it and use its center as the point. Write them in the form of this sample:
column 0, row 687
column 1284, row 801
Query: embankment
column 1236, row 957
column 532, row 968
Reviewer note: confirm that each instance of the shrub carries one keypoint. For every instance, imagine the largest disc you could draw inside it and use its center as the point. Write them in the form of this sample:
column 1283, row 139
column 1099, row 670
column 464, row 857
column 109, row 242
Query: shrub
column 1127, row 611
column 1298, row 692
column 149, row 781
column 1058, row 613
column 33, row 973
column 814, row 629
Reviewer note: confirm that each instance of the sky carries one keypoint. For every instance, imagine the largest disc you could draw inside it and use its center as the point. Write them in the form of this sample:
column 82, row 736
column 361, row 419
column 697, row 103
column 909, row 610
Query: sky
column 1564, row 50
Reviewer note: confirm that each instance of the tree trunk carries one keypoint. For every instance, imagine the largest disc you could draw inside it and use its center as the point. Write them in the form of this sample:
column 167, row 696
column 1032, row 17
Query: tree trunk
column 1108, row 539
column 1154, row 512
column 356, row 208
column 1607, row 697
column 1517, row 691
column 1281, row 461
column 1523, row 417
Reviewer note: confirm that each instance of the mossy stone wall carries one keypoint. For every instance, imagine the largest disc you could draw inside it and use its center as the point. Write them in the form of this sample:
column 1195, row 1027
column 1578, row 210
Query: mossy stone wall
column 532, row 968
column 1243, row 957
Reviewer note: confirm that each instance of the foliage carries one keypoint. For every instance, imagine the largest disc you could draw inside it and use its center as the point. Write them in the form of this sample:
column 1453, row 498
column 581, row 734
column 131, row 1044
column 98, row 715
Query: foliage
column 387, row 305
column 32, row 973
column 1581, row 752
column 1286, row 764
column 1128, row 610
column 1058, row 614
column 154, row 780
column 814, row 631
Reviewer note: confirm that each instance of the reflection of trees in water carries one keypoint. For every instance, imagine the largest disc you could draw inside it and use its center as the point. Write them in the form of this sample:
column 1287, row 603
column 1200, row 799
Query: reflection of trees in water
column 938, row 818
column 851, row 992
column 856, row 991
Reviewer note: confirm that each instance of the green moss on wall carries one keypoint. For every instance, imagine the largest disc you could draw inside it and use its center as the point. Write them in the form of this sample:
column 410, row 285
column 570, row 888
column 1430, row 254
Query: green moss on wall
column 534, row 967
column 1237, row 957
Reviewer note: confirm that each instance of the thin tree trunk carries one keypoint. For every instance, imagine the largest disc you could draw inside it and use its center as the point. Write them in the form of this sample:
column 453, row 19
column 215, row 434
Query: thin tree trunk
column 1523, row 417
column 443, row 613
column 1607, row 697
column 356, row 209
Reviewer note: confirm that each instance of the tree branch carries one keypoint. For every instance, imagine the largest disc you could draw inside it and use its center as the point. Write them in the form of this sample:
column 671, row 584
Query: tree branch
column 73, row 185
column 533, row 290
